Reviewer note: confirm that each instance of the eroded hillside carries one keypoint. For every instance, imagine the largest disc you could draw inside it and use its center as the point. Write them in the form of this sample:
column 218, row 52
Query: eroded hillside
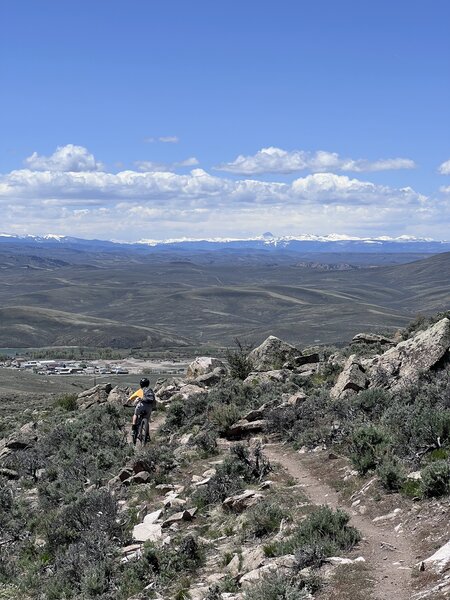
column 281, row 473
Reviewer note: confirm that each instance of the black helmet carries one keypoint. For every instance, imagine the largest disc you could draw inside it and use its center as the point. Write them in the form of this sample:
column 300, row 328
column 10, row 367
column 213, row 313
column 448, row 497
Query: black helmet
column 144, row 382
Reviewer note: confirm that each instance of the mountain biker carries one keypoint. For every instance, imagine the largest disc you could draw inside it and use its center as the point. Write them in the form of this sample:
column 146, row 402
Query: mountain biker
column 145, row 401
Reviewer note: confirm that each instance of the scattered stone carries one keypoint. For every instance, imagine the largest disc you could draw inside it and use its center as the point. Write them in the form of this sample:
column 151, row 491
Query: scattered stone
column 351, row 380
column 185, row 515
column 240, row 502
column 152, row 517
column 245, row 428
column 147, row 532
column 125, row 473
column 9, row 473
column 389, row 517
column 142, row 477
column 337, row 560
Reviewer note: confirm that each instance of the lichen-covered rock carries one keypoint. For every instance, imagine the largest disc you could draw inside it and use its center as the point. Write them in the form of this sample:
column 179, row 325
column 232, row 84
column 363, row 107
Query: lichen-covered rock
column 351, row 380
column 261, row 377
column 403, row 364
column 203, row 365
column 95, row 395
column 371, row 338
column 272, row 354
column 120, row 395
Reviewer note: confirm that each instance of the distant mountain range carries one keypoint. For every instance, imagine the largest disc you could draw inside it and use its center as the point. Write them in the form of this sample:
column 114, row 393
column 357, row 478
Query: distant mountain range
column 267, row 242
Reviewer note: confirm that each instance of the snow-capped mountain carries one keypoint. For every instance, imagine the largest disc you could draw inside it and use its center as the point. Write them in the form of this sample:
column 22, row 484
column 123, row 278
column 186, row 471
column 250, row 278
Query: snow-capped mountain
column 267, row 242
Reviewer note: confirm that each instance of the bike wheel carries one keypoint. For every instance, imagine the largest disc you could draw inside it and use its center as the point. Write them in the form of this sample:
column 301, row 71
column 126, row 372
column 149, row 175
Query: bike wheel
column 143, row 434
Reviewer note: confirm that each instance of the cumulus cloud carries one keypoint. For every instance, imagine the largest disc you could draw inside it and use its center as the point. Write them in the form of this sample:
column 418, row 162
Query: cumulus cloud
column 444, row 168
column 276, row 160
column 164, row 139
column 152, row 166
column 68, row 158
column 150, row 201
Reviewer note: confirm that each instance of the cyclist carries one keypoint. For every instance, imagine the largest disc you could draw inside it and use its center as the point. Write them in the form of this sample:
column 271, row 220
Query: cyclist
column 145, row 401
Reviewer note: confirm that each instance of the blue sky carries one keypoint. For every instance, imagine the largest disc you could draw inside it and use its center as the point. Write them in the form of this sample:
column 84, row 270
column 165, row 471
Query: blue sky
column 205, row 118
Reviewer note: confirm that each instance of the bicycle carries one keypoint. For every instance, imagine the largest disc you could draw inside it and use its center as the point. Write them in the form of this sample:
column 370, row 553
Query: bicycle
column 142, row 434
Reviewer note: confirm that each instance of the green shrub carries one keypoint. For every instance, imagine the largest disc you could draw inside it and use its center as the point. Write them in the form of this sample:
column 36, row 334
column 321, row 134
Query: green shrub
column 282, row 586
column 367, row 444
column 391, row 473
column 325, row 530
column 264, row 518
column 68, row 402
column 238, row 360
column 436, row 479
column 239, row 467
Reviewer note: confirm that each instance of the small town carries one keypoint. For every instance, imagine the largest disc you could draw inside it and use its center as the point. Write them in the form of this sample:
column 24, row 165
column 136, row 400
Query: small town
column 59, row 367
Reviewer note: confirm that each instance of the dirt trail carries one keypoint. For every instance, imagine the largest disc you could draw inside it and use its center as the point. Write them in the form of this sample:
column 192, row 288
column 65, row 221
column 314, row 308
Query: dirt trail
column 381, row 546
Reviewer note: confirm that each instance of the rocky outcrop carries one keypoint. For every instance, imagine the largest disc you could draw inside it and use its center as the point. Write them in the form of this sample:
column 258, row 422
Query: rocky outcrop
column 402, row 365
column 120, row 395
column 203, row 365
column 351, row 380
column 371, row 338
column 95, row 395
column 272, row 354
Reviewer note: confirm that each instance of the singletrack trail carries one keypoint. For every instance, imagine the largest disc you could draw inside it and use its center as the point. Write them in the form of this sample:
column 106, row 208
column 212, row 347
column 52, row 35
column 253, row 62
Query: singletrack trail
column 392, row 573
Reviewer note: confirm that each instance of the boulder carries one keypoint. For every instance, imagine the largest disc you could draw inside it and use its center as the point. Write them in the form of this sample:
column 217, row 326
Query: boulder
column 351, row 380
column 203, row 365
column 141, row 477
column 190, row 390
column 166, row 388
column 244, row 428
column 25, row 437
column 120, row 395
column 185, row 515
column 212, row 378
column 240, row 502
column 440, row 560
column 95, row 395
column 402, row 365
column 301, row 360
column 294, row 400
column 262, row 377
column 272, row 354
column 371, row 338
column 151, row 532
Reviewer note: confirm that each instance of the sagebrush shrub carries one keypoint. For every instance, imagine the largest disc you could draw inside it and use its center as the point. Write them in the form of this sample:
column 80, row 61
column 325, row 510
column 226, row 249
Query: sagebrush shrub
column 367, row 444
column 436, row 479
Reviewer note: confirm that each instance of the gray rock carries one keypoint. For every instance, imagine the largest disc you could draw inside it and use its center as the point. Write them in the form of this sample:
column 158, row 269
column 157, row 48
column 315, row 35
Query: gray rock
column 95, row 395
column 240, row 502
column 403, row 364
column 120, row 395
column 203, row 365
column 272, row 354
column 371, row 338
column 144, row 532
column 185, row 515
column 244, row 428
column 262, row 377
column 351, row 380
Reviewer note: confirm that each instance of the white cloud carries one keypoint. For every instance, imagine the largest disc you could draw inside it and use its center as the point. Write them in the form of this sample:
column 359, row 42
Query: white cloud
column 152, row 166
column 125, row 205
column 164, row 139
column 444, row 168
column 276, row 160
column 68, row 158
